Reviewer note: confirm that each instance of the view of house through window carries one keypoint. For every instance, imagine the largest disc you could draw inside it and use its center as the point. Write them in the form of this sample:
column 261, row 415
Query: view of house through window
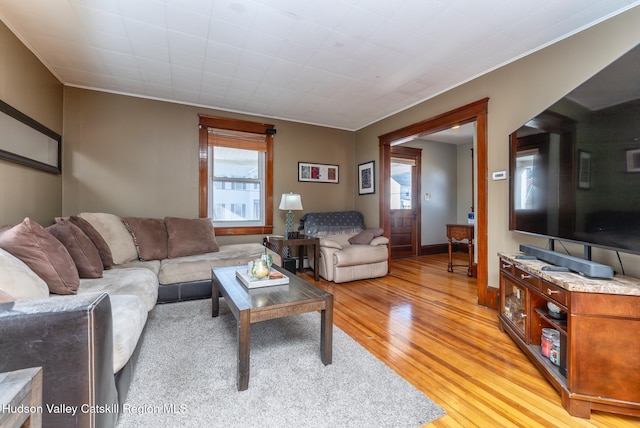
column 237, row 173
column 401, row 179
column 237, row 187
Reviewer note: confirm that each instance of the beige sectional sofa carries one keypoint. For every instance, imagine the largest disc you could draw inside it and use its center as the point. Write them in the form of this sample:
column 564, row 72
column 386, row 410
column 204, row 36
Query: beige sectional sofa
column 183, row 272
column 74, row 299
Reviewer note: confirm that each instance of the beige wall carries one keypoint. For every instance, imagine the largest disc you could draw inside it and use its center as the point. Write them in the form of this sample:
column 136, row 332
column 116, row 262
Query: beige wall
column 138, row 157
column 29, row 87
column 516, row 93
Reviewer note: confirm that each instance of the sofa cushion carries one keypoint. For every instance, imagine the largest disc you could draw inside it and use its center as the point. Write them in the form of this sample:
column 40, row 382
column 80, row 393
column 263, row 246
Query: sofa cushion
column 18, row 280
column 81, row 249
column 44, row 254
column 129, row 314
column 115, row 234
column 152, row 265
column 198, row 267
column 149, row 236
column 96, row 238
column 189, row 237
column 140, row 282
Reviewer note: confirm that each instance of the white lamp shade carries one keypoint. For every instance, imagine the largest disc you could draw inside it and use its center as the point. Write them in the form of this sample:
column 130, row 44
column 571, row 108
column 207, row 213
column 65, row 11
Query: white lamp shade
column 290, row 201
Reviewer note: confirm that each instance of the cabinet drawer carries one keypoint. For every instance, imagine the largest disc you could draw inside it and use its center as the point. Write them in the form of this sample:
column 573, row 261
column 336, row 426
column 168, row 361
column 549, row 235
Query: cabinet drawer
column 527, row 277
column 506, row 266
column 556, row 293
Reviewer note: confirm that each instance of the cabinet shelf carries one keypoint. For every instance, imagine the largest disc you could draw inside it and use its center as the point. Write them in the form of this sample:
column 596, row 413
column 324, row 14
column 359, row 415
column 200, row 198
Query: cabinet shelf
column 558, row 324
column 534, row 352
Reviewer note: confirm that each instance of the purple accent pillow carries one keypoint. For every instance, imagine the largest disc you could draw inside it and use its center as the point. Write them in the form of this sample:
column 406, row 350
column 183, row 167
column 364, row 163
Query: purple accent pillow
column 96, row 238
column 188, row 237
column 44, row 255
column 366, row 236
column 82, row 250
column 149, row 236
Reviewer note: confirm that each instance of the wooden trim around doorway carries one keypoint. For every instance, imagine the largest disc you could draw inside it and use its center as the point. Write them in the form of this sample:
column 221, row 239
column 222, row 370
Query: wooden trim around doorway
column 473, row 112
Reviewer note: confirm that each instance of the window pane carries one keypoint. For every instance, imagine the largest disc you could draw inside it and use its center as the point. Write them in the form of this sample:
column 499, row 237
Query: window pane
column 238, row 186
column 400, row 189
column 236, row 163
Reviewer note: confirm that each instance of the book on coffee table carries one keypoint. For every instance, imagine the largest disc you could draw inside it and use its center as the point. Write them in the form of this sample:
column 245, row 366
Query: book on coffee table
column 274, row 278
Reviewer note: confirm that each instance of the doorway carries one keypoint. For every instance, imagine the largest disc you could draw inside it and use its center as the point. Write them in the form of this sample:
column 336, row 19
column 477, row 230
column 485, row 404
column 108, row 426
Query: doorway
column 404, row 201
column 476, row 111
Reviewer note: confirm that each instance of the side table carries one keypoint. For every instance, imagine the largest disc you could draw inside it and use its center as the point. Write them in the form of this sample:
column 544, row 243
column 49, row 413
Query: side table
column 460, row 232
column 21, row 398
column 278, row 243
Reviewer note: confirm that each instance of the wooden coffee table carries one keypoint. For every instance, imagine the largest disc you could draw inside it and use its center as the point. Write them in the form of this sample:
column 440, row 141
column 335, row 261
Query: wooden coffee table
column 265, row 303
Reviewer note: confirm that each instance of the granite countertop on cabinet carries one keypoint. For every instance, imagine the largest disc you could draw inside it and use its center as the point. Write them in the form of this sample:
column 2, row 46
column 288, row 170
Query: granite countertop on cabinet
column 619, row 284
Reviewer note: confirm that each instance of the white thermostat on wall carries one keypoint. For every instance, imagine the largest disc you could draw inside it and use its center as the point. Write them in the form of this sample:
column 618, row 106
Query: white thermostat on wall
column 499, row 175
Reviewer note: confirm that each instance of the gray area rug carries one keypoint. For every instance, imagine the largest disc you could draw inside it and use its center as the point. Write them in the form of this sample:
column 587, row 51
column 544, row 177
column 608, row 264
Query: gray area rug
column 186, row 377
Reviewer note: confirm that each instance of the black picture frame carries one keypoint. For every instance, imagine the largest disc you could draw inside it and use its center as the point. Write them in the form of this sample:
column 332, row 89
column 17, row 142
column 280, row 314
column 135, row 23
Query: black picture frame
column 27, row 142
column 367, row 178
column 318, row 172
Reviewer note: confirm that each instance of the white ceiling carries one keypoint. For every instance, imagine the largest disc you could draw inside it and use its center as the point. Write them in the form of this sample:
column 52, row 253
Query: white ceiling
column 338, row 63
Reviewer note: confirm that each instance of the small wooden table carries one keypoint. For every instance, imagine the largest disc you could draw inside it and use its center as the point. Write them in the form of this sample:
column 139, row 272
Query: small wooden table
column 278, row 243
column 249, row 306
column 21, row 390
column 460, row 232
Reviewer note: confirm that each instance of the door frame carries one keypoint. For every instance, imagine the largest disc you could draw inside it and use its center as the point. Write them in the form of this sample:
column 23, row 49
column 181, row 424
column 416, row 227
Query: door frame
column 472, row 112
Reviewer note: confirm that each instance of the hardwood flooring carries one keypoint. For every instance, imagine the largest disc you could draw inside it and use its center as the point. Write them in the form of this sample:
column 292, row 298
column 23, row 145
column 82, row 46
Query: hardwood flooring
column 425, row 324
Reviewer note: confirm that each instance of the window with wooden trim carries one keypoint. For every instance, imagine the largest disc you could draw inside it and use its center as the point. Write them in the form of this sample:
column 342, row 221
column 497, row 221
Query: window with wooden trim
column 236, row 175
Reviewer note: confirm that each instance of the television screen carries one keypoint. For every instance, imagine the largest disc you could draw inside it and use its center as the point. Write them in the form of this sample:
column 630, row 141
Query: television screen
column 575, row 168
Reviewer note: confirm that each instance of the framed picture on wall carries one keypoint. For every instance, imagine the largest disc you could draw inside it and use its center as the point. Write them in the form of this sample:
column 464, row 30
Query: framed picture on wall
column 27, row 142
column 366, row 178
column 317, row 172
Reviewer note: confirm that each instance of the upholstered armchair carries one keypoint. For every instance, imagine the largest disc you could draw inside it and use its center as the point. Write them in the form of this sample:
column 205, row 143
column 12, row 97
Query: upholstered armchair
column 348, row 250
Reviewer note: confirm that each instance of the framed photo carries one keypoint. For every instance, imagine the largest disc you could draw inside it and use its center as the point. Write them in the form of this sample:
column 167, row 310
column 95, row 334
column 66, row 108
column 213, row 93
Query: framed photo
column 584, row 170
column 317, row 172
column 366, row 178
column 633, row 160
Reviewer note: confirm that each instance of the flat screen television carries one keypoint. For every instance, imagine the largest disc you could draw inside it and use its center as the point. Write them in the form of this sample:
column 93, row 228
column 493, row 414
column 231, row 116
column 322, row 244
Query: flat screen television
column 575, row 168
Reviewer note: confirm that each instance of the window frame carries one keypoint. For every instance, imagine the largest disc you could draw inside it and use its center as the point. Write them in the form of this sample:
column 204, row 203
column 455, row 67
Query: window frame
column 206, row 122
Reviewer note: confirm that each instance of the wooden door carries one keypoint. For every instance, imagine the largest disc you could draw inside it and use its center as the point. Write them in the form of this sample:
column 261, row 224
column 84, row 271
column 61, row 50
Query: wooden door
column 404, row 185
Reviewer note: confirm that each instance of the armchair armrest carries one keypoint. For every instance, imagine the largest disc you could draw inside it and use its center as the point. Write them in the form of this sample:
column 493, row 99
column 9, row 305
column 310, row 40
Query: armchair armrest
column 330, row 243
column 380, row 240
column 71, row 338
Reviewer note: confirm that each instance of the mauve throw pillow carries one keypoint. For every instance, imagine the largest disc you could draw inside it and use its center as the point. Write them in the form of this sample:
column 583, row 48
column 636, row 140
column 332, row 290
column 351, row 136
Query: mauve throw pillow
column 82, row 250
column 149, row 235
column 190, row 236
column 96, row 238
column 366, row 236
column 44, row 255
column 362, row 238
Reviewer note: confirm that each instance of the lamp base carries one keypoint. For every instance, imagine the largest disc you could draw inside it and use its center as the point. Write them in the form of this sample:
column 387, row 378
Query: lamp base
column 288, row 229
column 289, row 222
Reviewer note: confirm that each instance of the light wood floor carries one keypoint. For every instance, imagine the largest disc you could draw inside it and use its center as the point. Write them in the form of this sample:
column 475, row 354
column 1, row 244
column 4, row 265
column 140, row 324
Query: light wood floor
column 426, row 325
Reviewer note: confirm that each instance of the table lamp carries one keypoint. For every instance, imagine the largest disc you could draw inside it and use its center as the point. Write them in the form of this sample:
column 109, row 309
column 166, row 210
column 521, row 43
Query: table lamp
column 290, row 202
